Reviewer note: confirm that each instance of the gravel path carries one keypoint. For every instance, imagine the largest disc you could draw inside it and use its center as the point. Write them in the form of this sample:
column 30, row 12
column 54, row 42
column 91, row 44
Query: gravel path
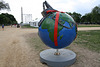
column 15, row 51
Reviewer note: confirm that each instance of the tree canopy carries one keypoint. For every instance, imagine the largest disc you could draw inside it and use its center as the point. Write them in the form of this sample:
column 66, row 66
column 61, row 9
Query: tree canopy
column 7, row 19
column 93, row 17
column 76, row 16
column 4, row 5
column 90, row 18
column 95, row 14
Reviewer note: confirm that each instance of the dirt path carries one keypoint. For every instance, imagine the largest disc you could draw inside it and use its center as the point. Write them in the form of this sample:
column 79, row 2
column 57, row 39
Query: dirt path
column 15, row 51
column 88, row 28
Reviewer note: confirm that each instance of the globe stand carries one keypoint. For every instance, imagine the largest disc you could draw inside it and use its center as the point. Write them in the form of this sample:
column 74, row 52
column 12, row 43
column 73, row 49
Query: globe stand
column 55, row 58
column 57, row 52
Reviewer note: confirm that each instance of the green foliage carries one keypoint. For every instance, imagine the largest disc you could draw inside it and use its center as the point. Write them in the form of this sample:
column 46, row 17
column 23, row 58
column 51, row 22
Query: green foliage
column 96, row 14
column 90, row 18
column 28, row 26
column 4, row 5
column 7, row 19
column 93, row 17
column 86, row 18
column 76, row 16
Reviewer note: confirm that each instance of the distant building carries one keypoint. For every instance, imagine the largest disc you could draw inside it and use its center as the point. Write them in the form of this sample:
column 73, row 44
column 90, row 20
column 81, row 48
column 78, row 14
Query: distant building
column 27, row 18
column 34, row 23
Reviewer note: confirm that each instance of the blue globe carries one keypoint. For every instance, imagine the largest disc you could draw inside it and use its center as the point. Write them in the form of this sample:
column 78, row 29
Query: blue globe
column 66, row 33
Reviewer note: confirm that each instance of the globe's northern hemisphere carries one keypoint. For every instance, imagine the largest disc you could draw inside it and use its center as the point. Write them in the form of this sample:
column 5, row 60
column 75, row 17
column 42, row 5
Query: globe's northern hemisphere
column 65, row 36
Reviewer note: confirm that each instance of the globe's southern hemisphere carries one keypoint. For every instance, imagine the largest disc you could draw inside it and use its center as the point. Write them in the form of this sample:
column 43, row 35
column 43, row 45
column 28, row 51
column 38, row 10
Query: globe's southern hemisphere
column 65, row 36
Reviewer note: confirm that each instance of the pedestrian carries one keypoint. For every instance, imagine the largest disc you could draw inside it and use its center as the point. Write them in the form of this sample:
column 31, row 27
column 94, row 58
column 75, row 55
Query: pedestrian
column 3, row 27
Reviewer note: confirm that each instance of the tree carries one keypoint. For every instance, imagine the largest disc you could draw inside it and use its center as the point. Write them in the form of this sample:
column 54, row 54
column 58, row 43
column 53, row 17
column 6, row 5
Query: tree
column 76, row 16
column 95, row 15
column 7, row 19
column 11, row 17
column 69, row 13
column 83, row 19
column 4, row 5
column 86, row 18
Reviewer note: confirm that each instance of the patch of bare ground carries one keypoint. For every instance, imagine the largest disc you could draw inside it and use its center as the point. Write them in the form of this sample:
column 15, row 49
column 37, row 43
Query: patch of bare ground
column 85, row 57
column 16, row 50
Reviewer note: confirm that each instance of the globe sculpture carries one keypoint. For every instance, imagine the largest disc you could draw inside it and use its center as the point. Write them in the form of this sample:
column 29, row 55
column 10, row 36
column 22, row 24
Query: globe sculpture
column 66, row 30
column 57, row 30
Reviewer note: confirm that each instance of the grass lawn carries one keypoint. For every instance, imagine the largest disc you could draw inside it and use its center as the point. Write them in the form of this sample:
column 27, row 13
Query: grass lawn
column 27, row 26
column 88, row 25
column 89, row 39
column 86, row 39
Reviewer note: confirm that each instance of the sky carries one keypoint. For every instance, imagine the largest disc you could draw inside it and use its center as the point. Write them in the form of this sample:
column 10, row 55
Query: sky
column 35, row 7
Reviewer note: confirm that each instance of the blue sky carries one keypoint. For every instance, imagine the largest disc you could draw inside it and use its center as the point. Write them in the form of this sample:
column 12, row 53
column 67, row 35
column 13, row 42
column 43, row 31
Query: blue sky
column 35, row 7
